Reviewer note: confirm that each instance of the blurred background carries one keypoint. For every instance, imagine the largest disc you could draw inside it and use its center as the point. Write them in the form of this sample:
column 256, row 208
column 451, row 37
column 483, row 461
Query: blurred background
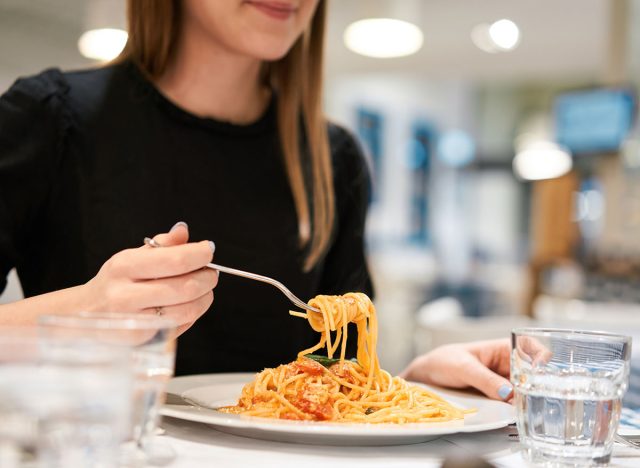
column 503, row 141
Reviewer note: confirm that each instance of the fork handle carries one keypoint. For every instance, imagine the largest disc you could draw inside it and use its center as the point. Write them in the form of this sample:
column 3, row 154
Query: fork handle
column 264, row 279
column 233, row 271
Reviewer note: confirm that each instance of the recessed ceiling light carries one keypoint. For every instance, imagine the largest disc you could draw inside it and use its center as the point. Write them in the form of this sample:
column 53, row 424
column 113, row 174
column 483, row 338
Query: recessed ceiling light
column 102, row 44
column 500, row 36
column 505, row 34
column 481, row 38
column 383, row 38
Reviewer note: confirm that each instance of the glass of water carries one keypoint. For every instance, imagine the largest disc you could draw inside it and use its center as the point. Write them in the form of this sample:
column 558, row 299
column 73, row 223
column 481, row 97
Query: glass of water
column 61, row 412
column 151, row 342
column 568, row 393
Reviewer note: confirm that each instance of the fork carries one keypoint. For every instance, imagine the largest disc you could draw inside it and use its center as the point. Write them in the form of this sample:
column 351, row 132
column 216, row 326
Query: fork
column 265, row 279
column 629, row 441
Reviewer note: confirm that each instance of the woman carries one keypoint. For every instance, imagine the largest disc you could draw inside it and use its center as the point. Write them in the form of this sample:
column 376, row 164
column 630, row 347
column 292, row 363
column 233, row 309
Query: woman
column 198, row 120
column 213, row 115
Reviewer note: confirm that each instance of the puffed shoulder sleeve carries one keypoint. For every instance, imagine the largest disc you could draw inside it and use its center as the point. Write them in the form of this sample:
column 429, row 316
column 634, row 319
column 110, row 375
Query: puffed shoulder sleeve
column 31, row 127
column 345, row 268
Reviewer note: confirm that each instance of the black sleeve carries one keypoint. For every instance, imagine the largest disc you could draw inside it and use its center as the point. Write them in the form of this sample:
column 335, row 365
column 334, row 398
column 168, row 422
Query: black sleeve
column 30, row 142
column 345, row 267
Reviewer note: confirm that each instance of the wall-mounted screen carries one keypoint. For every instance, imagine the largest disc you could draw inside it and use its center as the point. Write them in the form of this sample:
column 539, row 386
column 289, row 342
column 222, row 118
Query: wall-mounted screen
column 594, row 120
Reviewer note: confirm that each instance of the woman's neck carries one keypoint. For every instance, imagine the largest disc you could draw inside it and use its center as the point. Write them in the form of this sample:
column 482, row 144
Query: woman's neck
column 209, row 80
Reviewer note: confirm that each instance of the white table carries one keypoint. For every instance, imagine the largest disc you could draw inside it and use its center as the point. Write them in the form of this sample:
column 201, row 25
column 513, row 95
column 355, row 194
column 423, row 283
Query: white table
column 199, row 446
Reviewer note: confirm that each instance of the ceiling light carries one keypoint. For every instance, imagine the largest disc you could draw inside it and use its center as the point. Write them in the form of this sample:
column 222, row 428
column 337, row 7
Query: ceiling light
column 542, row 160
column 501, row 36
column 481, row 38
column 505, row 34
column 383, row 38
column 102, row 44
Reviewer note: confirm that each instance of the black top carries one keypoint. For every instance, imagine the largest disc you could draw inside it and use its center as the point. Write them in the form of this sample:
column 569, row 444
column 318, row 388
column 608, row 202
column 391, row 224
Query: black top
column 91, row 162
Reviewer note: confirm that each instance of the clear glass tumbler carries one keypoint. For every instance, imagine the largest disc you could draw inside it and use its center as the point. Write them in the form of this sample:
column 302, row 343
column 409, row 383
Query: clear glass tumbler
column 151, row 341
column 568, row 393
column 61, row 413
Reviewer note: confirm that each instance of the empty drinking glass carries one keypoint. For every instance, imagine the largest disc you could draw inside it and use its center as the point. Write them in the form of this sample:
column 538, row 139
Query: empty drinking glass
column 568, row 393
column 151, row 340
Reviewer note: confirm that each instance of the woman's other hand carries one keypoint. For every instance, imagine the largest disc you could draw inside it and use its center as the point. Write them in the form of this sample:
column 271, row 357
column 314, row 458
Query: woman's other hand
column 481, row 364
column 169, row 281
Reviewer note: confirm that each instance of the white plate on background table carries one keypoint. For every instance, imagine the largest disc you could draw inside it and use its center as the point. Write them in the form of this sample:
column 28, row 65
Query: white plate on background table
column 209, row 391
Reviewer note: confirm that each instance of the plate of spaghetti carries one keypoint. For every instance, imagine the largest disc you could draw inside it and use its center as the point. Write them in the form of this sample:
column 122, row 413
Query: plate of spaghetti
column 329, row 399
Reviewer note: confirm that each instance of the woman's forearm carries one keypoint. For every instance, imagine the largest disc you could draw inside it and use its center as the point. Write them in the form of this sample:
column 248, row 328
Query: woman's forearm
column 26, row 311
column 170, row 281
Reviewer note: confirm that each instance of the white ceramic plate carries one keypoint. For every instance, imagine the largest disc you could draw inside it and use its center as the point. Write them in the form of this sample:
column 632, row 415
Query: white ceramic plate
column 213, row 390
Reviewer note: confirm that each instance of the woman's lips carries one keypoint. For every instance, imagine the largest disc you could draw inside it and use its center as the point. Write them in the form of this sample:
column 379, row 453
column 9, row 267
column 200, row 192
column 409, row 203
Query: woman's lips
column 277, row 10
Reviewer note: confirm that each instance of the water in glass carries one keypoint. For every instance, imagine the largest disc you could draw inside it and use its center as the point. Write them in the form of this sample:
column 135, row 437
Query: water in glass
column 151, row 343
column 60, row 413
column 568, row 395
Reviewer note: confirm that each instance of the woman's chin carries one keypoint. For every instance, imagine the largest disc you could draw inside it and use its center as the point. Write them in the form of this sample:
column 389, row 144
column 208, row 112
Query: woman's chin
column 271, row 54
column 266, row 47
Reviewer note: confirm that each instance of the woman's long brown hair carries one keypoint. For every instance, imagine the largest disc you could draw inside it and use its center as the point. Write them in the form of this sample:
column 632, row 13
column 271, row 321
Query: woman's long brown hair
column 154, row 29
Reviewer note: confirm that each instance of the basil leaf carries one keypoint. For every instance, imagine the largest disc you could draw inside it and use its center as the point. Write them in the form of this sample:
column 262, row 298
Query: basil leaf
column 324, row 360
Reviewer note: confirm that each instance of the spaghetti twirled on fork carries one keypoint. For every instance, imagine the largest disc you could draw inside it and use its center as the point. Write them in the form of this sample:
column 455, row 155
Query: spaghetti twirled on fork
column 345, row 391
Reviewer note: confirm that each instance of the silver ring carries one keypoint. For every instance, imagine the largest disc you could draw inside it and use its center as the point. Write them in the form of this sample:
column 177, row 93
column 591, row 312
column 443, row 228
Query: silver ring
column 159, row 311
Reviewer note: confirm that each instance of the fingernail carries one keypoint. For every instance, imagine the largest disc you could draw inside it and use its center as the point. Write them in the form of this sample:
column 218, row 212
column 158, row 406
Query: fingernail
column 212, row 246
column 179, row 223
column 505, row 391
